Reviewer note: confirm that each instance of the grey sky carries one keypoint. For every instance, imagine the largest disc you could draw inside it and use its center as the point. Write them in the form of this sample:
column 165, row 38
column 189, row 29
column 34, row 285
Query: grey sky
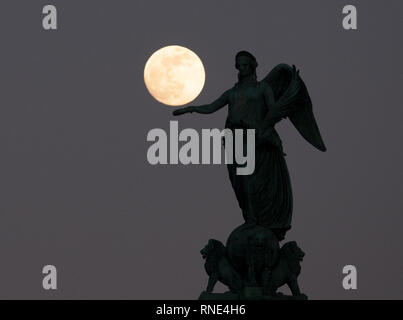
column 77, row 191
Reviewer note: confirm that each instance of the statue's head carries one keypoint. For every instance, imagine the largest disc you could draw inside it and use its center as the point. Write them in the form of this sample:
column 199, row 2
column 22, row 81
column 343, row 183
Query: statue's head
column 246, row 64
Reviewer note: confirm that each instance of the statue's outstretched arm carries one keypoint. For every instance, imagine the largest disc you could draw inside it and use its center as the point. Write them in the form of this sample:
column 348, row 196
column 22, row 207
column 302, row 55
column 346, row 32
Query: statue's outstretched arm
column 207, row 108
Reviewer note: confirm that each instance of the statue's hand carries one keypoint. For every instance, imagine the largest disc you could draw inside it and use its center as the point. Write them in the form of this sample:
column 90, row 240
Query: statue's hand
column 180, row 111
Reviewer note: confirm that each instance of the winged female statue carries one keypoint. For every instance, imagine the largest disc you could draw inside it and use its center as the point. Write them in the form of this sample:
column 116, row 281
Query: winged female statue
column 265, row 197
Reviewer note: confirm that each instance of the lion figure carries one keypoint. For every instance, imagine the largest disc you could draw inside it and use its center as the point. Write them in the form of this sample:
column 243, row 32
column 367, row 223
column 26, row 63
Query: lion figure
column 218, row 268
column 286, row 270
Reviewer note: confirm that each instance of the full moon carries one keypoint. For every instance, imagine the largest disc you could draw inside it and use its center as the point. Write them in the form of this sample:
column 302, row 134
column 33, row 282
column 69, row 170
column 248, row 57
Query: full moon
column 174, row 75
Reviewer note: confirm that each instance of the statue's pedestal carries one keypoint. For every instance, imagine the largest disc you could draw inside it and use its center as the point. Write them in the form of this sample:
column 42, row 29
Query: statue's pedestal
column 252, row 265
column 219, row 296
column 249, row 293
column 252, row 293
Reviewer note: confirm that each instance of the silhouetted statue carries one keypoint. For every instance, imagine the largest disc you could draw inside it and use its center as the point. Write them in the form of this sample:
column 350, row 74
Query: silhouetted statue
column 265, row 196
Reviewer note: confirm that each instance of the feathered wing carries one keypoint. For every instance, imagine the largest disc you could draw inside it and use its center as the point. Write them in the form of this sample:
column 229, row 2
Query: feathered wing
column 293, row 101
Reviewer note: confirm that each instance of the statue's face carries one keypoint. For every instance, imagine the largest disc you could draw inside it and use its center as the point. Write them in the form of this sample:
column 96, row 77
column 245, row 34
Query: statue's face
column 244, row 66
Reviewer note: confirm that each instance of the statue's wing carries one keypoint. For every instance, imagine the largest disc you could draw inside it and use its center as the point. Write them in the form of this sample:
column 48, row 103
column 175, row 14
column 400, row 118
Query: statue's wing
column 291, row 93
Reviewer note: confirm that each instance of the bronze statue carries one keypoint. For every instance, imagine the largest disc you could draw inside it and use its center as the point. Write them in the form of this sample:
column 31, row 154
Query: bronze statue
column 265, row 196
